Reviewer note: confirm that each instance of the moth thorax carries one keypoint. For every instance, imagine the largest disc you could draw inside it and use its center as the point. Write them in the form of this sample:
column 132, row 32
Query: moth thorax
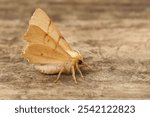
column 75, row 54
column 76, row 57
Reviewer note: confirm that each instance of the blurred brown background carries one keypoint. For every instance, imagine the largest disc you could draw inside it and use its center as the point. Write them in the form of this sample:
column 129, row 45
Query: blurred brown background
column 112, row 35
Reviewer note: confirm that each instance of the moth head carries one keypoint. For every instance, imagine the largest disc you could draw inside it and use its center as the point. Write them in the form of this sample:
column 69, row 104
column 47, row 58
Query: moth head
column 79, row 57
column 76, row 56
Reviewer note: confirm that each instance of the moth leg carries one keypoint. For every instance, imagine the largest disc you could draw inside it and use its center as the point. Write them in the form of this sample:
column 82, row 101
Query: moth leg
column 79, row 71
column 73, row 74
column 59, row 75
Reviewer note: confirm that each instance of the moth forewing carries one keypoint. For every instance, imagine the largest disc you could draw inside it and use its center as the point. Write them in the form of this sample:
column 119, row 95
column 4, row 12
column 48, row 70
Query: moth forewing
column 41, row 20
column 47, row 49
column 35, row 35
column 37, row 53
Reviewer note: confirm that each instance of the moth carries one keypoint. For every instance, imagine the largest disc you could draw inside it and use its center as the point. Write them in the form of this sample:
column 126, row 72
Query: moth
column 48, row 50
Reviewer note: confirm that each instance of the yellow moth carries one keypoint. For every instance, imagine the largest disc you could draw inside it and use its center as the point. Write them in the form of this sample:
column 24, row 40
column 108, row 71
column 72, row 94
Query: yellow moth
column 48, row 50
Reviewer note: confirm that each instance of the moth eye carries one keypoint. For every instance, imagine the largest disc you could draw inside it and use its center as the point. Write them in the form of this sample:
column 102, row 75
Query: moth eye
column 41, row 54
column 79, row 62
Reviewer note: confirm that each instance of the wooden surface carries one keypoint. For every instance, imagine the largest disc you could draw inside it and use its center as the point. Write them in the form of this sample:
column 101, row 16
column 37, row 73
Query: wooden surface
column 113, row 36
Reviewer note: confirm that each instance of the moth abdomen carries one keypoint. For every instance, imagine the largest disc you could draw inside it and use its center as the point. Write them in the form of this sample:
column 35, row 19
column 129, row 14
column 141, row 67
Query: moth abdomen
column 48, row 69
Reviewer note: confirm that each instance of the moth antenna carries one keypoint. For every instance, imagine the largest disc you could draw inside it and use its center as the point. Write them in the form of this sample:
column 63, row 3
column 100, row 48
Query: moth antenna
column 87, row 65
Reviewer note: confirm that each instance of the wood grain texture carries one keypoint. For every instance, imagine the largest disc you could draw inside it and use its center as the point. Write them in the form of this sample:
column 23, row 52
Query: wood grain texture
column 113, row 36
